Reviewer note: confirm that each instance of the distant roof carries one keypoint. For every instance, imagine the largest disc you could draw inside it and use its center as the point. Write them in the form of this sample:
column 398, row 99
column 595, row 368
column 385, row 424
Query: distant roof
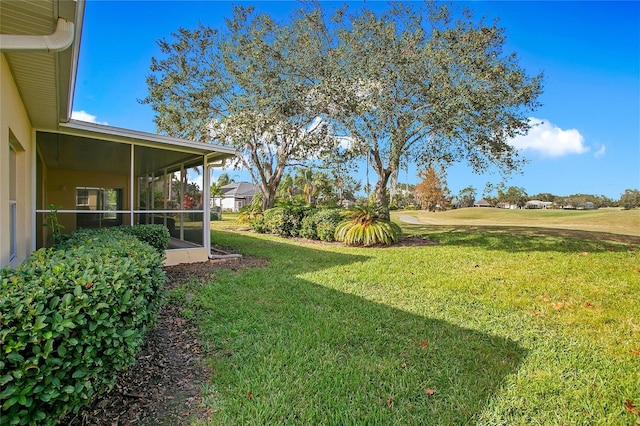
column 240, row 189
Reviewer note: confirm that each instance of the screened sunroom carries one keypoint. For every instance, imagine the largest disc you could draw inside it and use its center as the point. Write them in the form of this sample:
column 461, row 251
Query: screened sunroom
column 98, row 176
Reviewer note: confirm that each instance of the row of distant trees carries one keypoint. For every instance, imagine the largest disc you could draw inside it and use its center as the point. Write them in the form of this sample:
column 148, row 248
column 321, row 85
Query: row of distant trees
column 513, row 196
column 305, row 185
column 432, row 194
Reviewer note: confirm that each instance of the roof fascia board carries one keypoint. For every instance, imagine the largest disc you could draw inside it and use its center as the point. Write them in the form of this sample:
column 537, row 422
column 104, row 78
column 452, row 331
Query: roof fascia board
column 67, row 106
column 117, row 134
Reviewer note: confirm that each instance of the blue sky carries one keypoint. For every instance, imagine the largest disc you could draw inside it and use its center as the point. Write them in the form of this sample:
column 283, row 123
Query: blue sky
column 588, row 50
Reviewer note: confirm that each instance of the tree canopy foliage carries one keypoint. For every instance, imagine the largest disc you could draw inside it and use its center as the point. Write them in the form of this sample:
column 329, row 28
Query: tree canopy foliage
column 466, row 197
column 240, row 86
column 410, row 84
column 630, row 199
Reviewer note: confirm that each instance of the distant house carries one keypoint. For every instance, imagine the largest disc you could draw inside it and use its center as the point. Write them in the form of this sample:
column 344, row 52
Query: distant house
column 482, row 203
column 537, row 204
column 508, row 206
column 235, row 196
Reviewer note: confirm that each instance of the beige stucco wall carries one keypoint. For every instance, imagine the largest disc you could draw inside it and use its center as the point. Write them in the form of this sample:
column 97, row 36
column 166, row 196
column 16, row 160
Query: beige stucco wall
column 15, row 121
column 190, row 255
column 61, row 190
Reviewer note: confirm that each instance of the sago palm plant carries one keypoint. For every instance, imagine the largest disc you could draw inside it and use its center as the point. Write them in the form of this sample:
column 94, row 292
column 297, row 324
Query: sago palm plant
column 364, row 228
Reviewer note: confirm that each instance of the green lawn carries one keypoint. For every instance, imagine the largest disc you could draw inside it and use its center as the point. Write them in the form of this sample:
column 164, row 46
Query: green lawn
column 611, row 220
column 489, row 326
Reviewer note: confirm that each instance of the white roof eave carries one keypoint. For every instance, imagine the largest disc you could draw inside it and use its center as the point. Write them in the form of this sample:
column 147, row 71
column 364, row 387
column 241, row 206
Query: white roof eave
column 117, row 134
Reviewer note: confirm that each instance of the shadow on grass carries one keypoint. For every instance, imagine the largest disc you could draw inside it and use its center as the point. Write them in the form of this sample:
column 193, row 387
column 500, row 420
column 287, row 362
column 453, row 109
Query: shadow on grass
column 286, row 350
column 512, row 238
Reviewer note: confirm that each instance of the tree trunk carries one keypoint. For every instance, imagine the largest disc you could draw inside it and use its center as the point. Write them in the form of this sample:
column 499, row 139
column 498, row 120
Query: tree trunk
column 381, row 196
column 393, row 186
column 268, row 198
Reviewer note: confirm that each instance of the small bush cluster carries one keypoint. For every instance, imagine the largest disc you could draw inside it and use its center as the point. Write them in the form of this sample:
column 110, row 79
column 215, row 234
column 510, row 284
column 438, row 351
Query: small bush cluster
column 362, row 226
column 71, row 317
column 157, row 236
column 321, row 224
column 298, row 221
column 284, row 221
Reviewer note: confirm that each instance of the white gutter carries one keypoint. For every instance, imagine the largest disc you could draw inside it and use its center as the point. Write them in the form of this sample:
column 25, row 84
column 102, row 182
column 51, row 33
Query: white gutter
column 60, row 40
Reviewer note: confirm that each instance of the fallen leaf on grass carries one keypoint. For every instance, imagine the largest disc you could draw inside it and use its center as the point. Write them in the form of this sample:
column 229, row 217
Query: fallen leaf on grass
column 628, row 405
column 249, row 394
column 583, row 254
column 588, row 304
column 635, row 352
column 430, row 392
column 424, row 343
column 390, row 401
column 404, row 365
column 558, row 306
column 544, row 298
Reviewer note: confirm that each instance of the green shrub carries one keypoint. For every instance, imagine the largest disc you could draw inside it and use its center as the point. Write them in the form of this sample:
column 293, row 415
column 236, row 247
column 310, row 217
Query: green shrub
column 320, row 224
column 257, row 223
column 364, row 228
column 308, row 226
column 285, row 221
column 292, row 220
column 273, row 220
column 70, row 318
column 157, row 236
column 326, row 222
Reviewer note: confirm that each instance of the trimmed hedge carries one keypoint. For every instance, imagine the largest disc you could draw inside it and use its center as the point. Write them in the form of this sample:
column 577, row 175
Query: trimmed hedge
column 298, row 221
column 273, row 221
column 157, row 236
column 326, row 222
column 320, row 224
column 284, row 221
column 71, row 317
column 309, row 227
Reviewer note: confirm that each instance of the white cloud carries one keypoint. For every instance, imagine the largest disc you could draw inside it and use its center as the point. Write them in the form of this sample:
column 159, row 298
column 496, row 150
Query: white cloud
column 549, row 140
column 85, row 116
column 599, row 153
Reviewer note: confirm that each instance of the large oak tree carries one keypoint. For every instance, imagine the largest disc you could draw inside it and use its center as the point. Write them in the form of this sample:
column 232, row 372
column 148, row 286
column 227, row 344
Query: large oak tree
column 241, row 85
column 411, row 84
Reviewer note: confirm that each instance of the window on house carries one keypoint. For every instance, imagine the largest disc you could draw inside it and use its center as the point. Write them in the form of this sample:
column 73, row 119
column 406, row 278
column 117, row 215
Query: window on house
column 82, row 197
column 101, row 204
